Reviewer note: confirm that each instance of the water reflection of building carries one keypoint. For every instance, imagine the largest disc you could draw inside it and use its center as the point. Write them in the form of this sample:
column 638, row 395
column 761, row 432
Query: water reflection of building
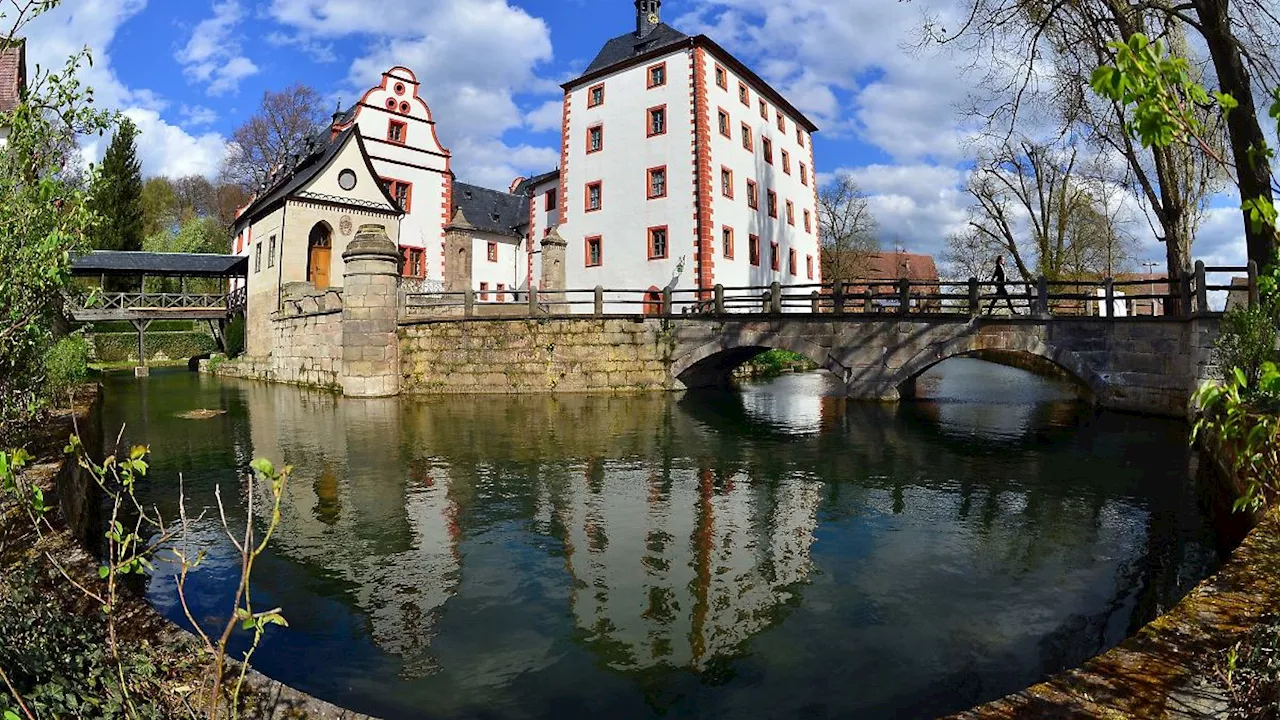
column 357, row 511
column 675, row 567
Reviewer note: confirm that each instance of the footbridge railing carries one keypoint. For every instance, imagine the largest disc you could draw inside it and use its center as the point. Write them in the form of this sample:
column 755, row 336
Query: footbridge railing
column 1109, row 298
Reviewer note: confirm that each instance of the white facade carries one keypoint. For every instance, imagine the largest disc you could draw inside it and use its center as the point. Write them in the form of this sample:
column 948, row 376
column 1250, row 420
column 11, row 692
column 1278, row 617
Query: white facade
column 499, row 267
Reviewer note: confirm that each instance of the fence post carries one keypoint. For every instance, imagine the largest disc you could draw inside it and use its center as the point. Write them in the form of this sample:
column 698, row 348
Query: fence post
column 599, row 301
column 814, row 303
column 719, row 299
column 1255, row 297
column 1184, row 295
column 1202, row 291
column 1042, row 292
column 1110, row 309
column 666, row 300
column 468, row 303
column 975, row 302
column 837, row 298
column 868, row 301
column 533, row 301
column 775, row 298
column 904, row 296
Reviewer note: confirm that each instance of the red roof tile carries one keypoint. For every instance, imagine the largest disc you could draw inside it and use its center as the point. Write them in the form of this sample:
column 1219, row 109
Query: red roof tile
column 13, row 74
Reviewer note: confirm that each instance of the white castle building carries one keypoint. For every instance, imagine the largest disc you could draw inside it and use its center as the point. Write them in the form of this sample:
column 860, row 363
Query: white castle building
column 680, row 168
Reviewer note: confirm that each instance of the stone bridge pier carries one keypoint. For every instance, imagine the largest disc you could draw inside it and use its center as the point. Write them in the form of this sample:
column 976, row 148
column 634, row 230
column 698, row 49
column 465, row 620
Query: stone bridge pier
column 1149, row 365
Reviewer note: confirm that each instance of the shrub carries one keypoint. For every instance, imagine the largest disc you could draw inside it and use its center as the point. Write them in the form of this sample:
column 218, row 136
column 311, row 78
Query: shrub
column 1243, row 420
column 119, row 347
column 235, row 336
column 66, row 365
column 1246, row 341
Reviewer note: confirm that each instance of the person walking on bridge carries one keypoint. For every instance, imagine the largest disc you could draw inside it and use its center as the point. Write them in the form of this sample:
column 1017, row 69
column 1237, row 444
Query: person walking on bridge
column 1002, row 292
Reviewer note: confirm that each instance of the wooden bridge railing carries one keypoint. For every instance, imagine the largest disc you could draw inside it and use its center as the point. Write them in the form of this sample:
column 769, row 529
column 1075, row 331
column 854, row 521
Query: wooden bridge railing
column 1108, row 298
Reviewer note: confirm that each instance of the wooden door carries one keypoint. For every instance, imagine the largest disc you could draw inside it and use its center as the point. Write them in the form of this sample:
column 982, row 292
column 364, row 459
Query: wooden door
column 319, row 265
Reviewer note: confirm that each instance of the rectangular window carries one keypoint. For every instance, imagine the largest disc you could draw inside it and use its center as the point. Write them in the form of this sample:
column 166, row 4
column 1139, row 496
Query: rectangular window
column 550, row 200
column 804, row 175
column 775, row 256
column 782, row 123
column 484, row 291
column 764, row 110
column 773, row 204
column 808, row 266
column 271, row 251
column 747, row 143
column 753, row 249
column 257, row 257
column 657, row 120
column 743, row 94
column 401, row 191
column 594, row 196
column 791, row 213
column 657, row 242
column 726, row 182
column 799, row 136
column 767, row 144
column 808, row 222
column 722, row 78
column 786, row 162
column 753, row 195
column 595, row 139
column 657, row 75
column 724, row 124
column 595, row 96
column 414, row 265
column 491, row 252
column 726, row 242
column 396, row 131
column 657, row 182
column 791, row 262
column 594, row 252
column 502, row 292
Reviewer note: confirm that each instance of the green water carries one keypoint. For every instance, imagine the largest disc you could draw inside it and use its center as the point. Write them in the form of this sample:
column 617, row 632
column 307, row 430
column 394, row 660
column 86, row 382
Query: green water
column 773, row 552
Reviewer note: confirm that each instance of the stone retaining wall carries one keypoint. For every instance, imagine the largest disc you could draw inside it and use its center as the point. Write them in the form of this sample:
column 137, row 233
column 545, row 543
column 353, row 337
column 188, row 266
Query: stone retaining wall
column 514, row 356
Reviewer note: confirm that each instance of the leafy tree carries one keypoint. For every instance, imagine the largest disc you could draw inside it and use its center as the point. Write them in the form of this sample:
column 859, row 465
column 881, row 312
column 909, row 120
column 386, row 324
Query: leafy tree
column 285, row 121
column 847, row 230
column 43, row 219
column 159, row 206
column 117, row 193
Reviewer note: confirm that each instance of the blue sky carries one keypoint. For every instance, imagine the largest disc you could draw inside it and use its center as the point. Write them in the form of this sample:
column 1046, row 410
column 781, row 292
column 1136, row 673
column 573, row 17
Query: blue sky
column 189, row 71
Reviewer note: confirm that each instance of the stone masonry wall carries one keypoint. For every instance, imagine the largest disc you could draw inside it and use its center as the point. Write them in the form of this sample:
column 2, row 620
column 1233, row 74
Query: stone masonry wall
column 308, row 351
column 518, row 356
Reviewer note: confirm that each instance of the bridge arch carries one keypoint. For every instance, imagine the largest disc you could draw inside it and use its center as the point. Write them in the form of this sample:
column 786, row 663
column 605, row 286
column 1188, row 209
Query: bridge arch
column 711, row 364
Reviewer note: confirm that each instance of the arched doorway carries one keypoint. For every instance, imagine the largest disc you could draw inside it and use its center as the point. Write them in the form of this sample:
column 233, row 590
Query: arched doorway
column 319, row 253
column 653, row 301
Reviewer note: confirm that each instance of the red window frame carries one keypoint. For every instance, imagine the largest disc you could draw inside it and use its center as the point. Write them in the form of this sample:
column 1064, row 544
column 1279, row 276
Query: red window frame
column 591, row 94
column 648, row 75
column 748, row 142
column 753, row 195
column 775, row 256
column 550, row 199
column 393, row 186
column 791, row 213
column 767, row 147
column 808, row 222
column 404, row 131
column 804, row 175
column 722, row 77
column 648, row 182
column 772, row 203
column 484, row 291
column 586, row 251
column 808, row 266
column 744, row 95
column 586, row 196
column 800, row 136
column 782, row 122
column 726, row 189
column 413, row 269
column 600, row 127
column 753, row 250
column 491, row 252
column 791, row 262
column 648, row 121
column 666, row 250
column 786, row 162
column 725, row 122
column 726, row 242
column 764, row 110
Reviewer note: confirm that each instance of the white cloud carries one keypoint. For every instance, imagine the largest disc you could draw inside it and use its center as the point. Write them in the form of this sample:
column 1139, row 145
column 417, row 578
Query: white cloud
column 916, row 206
column 476, row 55
column 548, row 117
column 213, row 55
column 164, row 148
column 197, row 115
column 319, row 52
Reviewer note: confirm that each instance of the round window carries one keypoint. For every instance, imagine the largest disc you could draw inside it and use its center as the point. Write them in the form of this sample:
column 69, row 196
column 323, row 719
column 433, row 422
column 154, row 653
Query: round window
column 404, row 108
column 399, row 88
column 347, row 180
column 391, row 103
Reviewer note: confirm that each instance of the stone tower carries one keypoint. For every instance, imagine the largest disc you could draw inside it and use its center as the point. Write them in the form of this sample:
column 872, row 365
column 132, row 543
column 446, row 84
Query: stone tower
column 648, row 15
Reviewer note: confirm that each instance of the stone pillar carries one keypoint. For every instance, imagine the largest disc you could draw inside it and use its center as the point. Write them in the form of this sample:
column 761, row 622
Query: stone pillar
column 370, row 349
column 457, row 253
column 553, row 256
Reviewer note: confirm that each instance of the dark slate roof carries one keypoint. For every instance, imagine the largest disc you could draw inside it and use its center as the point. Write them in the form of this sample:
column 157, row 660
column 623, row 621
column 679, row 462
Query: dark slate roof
column 625, row 47
column 115, row 262
column 492, row 210
column 529, row 183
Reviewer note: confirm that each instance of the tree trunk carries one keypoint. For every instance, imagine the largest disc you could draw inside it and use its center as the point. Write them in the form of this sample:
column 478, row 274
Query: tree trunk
column 1253, row 173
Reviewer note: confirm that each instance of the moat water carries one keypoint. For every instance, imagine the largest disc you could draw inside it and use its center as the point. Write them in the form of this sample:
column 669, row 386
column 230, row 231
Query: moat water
column 776, row 551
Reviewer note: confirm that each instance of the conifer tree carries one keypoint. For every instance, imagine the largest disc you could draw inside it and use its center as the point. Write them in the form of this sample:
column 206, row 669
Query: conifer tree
column 117, row 193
